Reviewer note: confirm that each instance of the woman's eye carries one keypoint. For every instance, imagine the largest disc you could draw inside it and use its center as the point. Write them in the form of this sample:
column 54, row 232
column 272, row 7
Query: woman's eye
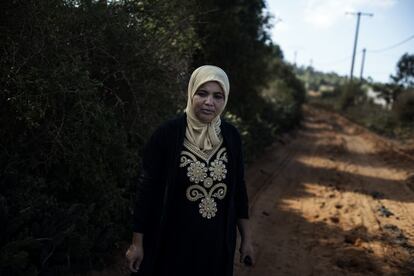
column 218, row 96
column 201, row 93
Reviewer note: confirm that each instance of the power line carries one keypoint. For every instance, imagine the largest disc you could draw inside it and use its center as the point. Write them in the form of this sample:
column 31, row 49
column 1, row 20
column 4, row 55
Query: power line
column 376, row 51
column 392, row 46
column 336, row 61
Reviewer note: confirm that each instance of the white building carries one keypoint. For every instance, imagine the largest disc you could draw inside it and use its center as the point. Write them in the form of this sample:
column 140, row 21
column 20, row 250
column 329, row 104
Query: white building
column 376, row 98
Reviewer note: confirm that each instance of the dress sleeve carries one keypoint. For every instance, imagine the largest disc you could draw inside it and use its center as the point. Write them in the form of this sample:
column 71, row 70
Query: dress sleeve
column 242, row 203
column 149, row 181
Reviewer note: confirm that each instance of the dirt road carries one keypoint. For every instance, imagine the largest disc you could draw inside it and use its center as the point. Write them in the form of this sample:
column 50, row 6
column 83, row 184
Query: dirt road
column 334, row 200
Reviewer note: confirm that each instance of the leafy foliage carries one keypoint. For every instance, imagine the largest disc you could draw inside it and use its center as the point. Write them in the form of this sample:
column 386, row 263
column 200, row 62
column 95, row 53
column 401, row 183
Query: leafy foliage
column 350, row 94
column 351, row 102
column 405, row 71
column 234, row 35
column 84, row 85
column 388, row 91
column 314, row 79
column 74, row 96
column 403, row 107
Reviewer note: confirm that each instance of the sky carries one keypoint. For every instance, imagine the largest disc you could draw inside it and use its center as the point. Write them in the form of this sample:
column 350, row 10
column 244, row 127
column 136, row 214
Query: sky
column 321, row 34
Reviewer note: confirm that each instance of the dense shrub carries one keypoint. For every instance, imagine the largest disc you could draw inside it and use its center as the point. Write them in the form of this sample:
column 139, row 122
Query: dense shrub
column 251, row 61
column 79, row 99
column 351, row 93
column 84, row 84
column 396, row 123
column 403, row 107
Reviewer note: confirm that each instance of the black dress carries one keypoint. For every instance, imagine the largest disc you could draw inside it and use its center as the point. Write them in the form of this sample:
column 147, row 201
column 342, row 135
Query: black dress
column 195, row 243
column 186, row 212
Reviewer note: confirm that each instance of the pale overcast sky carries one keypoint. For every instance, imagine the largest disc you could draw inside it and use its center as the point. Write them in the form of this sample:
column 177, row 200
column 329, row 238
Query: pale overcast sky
column 320, row 32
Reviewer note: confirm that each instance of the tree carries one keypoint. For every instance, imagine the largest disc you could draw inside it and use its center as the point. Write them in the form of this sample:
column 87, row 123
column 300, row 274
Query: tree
column 403, row 107
column 82, row 88
column 84, row 83
column 405, row 71
column 234, row 35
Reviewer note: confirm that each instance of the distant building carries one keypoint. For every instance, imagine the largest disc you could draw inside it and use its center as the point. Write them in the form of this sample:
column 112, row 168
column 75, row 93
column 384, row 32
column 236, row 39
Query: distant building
column 376, row 98
column 326, row 88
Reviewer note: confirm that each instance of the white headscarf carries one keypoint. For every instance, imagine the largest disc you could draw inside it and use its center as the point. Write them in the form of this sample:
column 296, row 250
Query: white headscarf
column 205, row 135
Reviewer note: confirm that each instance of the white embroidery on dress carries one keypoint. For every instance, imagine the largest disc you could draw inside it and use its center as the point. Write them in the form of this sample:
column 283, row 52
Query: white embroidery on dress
column 207, row 206
column 197, row 171
column 217, row 170
column 206, row 156
column 206, row 173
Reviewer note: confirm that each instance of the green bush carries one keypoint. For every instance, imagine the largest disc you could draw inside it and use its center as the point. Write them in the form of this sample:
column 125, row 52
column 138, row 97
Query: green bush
column 403, row 107
column 350, row 94
column 373, row 116
column 84, row 85
column 80, row 98
column 251, row 61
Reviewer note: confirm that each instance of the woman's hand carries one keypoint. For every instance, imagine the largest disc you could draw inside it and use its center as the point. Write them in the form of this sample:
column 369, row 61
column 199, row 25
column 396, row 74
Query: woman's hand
column 135, row 252
column 134, row 255
column 247, row 253
column 246, row 246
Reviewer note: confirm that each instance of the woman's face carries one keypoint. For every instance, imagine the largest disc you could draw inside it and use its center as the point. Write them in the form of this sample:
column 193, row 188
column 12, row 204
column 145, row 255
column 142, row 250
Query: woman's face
column 208, row 101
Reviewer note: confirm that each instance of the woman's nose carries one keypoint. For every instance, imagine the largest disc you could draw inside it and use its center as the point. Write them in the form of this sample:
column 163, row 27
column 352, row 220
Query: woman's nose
column 209, row 100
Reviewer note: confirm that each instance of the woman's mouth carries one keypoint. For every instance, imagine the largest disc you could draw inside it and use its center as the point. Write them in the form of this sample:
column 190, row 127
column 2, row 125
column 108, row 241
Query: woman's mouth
column 207, row 111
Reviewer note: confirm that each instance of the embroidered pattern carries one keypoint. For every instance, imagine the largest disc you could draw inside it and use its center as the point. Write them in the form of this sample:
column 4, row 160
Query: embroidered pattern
column 206, row 156
column 204, row 175
column 217, row 170
column 197, row 171
column 208, row 207
column 208, row 182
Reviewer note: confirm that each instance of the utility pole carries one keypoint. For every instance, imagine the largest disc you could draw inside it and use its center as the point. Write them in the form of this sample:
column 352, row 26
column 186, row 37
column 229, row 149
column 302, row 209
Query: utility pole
column 294, row 58
column 358, row 14
column 362, row 64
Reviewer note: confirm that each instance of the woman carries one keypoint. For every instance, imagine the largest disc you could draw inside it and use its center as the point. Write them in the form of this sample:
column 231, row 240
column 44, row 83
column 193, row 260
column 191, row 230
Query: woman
column 192, row 194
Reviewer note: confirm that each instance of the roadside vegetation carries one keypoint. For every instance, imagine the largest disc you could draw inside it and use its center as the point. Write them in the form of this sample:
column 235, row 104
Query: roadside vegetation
column 386, row 108
column 84, row 83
